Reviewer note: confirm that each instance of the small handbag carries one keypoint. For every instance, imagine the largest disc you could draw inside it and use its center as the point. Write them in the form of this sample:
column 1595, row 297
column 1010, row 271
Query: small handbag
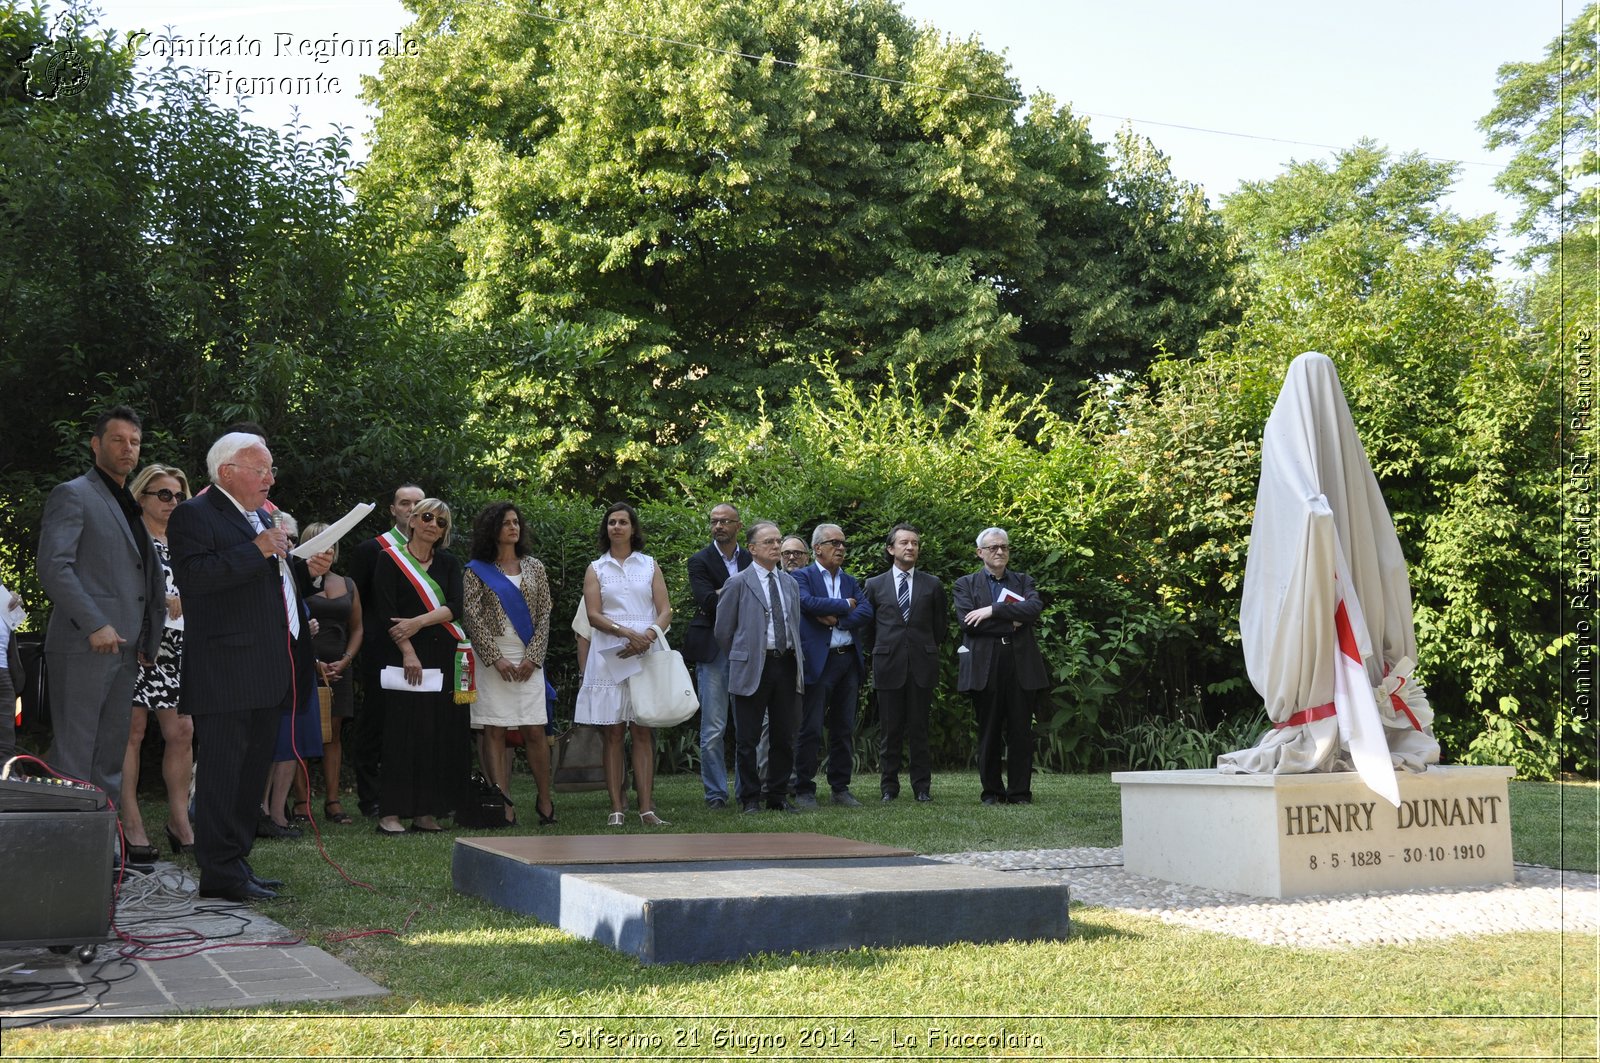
column 662, row 693
column 484, row 807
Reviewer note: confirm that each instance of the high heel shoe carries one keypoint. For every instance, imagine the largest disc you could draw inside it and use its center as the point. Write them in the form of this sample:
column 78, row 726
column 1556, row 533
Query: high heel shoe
column 178, row 845
column 650, row 819
column 546, row 820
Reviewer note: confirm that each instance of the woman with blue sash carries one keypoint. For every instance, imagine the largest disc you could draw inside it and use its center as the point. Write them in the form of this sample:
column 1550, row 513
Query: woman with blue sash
column 507, row 618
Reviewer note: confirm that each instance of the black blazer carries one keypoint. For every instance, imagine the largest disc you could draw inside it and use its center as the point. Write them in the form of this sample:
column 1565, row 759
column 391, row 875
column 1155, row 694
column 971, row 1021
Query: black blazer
column 707, row 573
column 902, row 649
column 237, row 654
column 973, row 592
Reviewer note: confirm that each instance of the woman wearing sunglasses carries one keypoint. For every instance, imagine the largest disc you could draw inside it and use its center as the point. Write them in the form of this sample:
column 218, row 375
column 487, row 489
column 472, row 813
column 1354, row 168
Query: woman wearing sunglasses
column 158, row 490
column 417, row 598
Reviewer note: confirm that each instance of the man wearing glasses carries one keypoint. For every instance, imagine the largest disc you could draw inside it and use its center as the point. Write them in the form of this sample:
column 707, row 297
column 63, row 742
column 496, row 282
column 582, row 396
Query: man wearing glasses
column 1001, row 667
column 709, row 570
column 795, row 554
column 830, row 610
column 246, row 652
column 108, row 599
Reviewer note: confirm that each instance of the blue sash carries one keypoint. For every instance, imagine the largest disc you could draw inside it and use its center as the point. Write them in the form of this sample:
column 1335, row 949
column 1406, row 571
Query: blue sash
column 510, row 595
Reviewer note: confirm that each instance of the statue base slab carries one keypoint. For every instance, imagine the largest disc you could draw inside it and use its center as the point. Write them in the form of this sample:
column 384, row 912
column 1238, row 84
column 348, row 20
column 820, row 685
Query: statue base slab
column 1318, row 833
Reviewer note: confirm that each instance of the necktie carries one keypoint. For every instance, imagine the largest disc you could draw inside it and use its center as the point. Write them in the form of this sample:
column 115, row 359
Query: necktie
column 780, row 632
column 284, row 576
column 905, row 597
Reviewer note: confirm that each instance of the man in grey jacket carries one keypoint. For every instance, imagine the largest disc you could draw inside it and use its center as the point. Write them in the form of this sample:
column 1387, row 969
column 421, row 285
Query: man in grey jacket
column 107, row 595
column 758, row 626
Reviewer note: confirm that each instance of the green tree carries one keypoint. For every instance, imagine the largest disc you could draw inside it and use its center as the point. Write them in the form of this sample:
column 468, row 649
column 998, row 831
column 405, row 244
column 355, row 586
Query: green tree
column 157, row 249
column 705, row 223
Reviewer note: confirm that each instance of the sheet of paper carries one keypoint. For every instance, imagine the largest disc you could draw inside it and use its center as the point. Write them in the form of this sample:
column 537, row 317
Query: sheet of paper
column 334, row 533
column 393, row 677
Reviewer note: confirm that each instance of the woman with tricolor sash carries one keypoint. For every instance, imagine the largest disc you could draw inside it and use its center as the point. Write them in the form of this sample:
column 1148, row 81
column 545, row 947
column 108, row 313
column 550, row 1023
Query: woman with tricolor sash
column 425, row 670
column 508, row 621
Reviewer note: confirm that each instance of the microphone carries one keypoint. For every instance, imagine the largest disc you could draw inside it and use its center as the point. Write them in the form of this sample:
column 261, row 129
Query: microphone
column 278, row 521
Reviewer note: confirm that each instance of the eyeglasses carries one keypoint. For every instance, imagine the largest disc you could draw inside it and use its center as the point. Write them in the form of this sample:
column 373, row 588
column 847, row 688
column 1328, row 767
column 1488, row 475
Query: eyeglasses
column 840, row 543
column 794, row 553
column 429, row 518
column 263, row 473
column 724, row 520
column 997, row 547
column 167, row 495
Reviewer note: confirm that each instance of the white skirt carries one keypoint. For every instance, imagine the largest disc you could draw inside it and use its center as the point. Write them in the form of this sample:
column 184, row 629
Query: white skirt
column 505, row 704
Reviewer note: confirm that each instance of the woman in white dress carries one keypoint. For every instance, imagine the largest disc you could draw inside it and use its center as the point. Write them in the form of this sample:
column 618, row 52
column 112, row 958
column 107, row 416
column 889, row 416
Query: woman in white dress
column 626, row 599
column 507, row 602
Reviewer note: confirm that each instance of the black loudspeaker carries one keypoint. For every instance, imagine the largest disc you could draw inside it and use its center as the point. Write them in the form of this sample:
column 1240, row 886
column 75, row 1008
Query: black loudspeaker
column 55, row 876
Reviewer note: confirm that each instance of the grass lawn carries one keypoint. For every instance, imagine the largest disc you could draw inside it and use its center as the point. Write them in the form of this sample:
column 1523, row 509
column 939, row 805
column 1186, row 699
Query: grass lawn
column 469, row 980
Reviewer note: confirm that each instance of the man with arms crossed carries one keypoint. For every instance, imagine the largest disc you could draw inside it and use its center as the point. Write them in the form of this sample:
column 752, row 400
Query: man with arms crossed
column 831, row 608
column 246, row 652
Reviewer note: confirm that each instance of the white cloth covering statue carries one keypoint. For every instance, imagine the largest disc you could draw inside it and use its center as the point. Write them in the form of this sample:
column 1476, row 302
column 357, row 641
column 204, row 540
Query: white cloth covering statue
column 1329, row 640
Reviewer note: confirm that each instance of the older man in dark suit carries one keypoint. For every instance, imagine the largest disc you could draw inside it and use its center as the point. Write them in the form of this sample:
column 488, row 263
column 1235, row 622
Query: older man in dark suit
column 246, row 652
column 709, row 570
column 1001, row 666
column 910, row 617
column 108, row 598
column 831, row 608
column 758, row 627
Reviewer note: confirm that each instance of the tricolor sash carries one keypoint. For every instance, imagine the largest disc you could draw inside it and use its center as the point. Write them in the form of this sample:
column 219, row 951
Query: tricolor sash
column 432, row 596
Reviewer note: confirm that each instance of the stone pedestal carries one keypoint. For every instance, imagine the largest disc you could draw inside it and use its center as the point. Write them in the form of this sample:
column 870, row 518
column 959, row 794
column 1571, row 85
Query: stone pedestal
column 1325, row 832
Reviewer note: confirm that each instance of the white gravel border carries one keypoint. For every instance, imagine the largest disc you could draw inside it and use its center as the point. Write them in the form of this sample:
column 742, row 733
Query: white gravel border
column 1541, row 898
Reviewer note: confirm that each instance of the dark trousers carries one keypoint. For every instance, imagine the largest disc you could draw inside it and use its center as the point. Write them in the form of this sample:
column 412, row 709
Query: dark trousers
column 364, row 739
column 829, row 702
column 903, row 717
column 777, row 698
column 1005, row 724
column 234, row 755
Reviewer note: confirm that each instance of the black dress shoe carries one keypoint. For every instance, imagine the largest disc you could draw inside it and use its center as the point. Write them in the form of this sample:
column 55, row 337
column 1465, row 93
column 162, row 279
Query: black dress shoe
column 785, row 805
column 923, row 795
column 750, row 808
column 716, row 804
column 887, row 797
column 990, row 799
column 1020, row 799
column 266, row 883
column 245, row 892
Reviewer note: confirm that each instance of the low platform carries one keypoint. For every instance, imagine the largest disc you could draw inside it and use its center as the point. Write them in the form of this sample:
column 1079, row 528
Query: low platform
column 1318, row 833
column 706, row 898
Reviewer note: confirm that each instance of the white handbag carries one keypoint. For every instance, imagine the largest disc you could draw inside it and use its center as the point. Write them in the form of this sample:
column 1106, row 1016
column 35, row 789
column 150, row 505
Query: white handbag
column 662, row 694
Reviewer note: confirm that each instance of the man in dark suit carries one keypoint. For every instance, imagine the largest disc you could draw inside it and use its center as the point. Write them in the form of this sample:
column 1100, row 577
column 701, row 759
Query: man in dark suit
column 108, row 599
column 246, row 652
column 709, row 570
column 909, row 620
column 831, row 608
column 366, row 735
column 1001, row 666
column 758, row 627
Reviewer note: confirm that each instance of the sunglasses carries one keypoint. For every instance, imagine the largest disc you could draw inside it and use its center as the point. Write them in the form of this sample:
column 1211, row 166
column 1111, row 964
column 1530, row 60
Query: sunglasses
column 428, row 518
column 168, row 496
column 840, row 543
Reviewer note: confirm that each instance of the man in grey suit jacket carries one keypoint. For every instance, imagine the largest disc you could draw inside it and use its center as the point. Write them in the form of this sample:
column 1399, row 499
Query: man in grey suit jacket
column 758, row 626
column 107, row 595
column 1001, row 666
column 907, row 627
